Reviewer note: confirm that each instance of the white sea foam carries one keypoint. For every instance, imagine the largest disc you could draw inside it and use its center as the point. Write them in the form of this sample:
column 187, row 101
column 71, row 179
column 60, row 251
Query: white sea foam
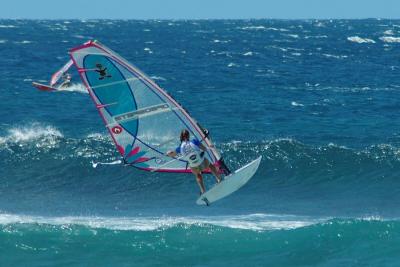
column 357, row 39
column 390, row 39
column 34, row 131
column 253, row 28
column 75, row 87
column 148, row 50
column 248, row 53
column 277, row 29
column 158, row 78
column 115, row 162
column 388, row 32
column 335, row 56
column 80, row 36
column 316, row 37
column 255, row 222
column 296, row 104
column 225, row 53
column 23, row 42
column 96, row 136
column 293, row 35
column 7, row 26
column 230, row 65
column 277, row 47
column 221, row 41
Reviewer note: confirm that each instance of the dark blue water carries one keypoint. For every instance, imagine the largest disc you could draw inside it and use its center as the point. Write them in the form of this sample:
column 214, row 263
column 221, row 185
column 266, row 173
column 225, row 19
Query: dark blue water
column 319, row 100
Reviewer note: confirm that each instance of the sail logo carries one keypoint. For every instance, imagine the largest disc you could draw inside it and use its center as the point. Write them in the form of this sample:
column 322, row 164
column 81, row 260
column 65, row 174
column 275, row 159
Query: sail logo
column 102, row 71
column 117, row 129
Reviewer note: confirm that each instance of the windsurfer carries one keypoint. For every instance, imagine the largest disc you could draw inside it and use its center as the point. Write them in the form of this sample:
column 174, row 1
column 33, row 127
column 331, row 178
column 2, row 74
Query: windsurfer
column 193, row 151
column 66, row 80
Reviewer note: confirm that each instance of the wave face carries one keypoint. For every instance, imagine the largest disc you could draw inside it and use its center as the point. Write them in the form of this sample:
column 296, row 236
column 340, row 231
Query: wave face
column 317, row 99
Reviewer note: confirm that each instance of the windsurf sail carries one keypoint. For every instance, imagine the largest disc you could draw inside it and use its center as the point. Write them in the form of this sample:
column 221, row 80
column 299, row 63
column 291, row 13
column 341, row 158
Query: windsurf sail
column 143, row 120
column 57, row 75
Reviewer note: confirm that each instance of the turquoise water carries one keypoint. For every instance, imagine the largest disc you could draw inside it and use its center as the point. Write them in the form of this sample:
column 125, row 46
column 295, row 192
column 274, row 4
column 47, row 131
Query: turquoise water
column 317, row 99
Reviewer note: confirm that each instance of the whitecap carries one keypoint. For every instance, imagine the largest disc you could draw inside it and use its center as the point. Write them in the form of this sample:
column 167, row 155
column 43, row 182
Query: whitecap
column 7, row 26
column 34, row 131
column 390, row 39
column 230, row 65
column 115, row 162
column 388, row 32
column 293, row 35
column 248, row 53
column 253, row 28
column 148, row 50
column 319, row 24
column 357, row 39
column 296, row 104
column 158, row 78
column 316, row 37
column 23, row 42
column 254, row 222
column 75, row 87
column 335, row 56
column 96, row 136
column 277, row 29
column 221, row 41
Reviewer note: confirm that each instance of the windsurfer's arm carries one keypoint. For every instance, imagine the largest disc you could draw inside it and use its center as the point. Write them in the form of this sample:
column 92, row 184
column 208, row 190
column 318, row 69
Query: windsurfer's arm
column 174, row 153
column 202, row 147
column 199, row 144
column 171, row 153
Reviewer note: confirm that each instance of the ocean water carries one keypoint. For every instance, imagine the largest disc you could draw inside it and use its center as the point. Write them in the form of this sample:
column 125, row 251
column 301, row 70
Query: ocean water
column 319, row 100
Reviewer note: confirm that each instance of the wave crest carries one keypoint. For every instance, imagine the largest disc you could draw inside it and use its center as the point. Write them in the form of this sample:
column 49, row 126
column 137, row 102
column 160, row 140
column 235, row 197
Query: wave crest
column 255, row 222
column 34, row 131
column 357, row 39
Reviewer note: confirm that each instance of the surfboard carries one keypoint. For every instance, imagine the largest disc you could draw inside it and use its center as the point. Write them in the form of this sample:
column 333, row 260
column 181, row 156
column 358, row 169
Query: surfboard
column 43, row 87
column 230, row 184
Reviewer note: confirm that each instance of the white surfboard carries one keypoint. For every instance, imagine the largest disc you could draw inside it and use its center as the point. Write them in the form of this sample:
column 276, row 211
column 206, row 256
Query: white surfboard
column 230, row 184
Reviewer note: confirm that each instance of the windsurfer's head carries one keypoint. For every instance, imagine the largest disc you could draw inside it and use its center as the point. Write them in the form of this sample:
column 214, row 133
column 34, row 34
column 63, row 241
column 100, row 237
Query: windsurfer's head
column 185, row 135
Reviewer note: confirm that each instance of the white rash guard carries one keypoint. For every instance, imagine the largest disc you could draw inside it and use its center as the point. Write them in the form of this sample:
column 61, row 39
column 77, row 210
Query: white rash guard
column 190, row 150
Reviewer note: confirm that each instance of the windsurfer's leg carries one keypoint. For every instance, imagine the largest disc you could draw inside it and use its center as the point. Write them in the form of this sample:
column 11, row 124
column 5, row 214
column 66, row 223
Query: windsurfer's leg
column 199, row 179
column 213, row 170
